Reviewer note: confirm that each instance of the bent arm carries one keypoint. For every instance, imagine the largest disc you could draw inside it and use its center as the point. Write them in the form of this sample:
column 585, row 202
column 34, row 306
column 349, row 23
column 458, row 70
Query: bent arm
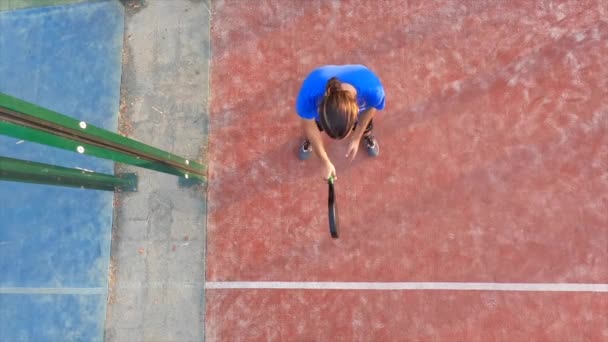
column 314, row 136
column 364, row 120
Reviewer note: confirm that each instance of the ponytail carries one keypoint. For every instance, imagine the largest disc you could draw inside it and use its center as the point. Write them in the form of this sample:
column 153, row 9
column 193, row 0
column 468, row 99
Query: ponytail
column 333, row 86
column 338, row 110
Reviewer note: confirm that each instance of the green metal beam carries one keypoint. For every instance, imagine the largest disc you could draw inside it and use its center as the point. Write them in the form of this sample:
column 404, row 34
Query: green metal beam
column 25, row 113
column 27, row 121
column 30, row 134
column 32, row 172
column 11, row 5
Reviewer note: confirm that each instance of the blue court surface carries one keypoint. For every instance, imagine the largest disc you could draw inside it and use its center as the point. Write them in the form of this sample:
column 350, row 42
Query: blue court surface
column 55, row 241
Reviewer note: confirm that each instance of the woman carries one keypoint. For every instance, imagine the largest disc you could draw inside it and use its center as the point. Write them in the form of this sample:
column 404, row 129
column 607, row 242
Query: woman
column 335, row 99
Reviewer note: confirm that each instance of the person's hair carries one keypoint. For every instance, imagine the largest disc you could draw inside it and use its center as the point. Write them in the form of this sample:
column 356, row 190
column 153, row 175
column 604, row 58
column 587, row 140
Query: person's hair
column 338, row 110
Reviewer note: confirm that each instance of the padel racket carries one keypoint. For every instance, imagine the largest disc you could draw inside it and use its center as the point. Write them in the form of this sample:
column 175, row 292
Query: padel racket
column 333, row 209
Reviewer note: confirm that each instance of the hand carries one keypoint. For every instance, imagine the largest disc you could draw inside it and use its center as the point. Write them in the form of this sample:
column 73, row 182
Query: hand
column 328, row 171
column 353, row 147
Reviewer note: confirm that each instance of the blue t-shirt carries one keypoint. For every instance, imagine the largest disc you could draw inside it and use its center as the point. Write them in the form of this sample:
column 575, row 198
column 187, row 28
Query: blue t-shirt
column 370, row 92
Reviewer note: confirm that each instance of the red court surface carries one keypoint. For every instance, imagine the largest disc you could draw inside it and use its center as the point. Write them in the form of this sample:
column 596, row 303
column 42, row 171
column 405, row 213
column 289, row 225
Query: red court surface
column 493, row 169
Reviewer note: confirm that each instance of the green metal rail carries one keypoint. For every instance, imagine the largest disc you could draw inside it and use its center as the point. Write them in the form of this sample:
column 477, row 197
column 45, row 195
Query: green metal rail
column 31, row 172
column 30, row 134
column 23, row 120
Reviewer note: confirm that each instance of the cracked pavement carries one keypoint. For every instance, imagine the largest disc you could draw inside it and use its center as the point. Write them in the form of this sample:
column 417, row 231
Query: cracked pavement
column 158, row 243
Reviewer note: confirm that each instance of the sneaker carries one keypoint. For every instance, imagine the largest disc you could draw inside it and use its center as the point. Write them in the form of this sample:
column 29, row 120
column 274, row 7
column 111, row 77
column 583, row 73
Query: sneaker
column 305, row 150
column 373, row 149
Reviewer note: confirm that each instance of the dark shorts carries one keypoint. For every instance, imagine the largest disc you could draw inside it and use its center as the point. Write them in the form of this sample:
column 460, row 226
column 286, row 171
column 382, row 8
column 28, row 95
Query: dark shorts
column 368, row 129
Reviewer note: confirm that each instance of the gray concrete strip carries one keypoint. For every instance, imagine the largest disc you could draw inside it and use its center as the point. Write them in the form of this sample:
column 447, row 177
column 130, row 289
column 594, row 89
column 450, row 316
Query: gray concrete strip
column 156, row 286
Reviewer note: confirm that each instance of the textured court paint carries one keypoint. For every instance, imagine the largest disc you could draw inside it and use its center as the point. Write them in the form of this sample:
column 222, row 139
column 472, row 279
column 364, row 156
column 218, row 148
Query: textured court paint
column 67, row 59
column 54, row 290
column 494, row 164
column 494, row 142
column 68, row 228
column 46, row 317
column 285, row 315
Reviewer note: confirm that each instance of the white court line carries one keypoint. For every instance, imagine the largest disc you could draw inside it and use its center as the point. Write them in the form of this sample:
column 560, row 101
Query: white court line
column 53, row 290
column 408, row 286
